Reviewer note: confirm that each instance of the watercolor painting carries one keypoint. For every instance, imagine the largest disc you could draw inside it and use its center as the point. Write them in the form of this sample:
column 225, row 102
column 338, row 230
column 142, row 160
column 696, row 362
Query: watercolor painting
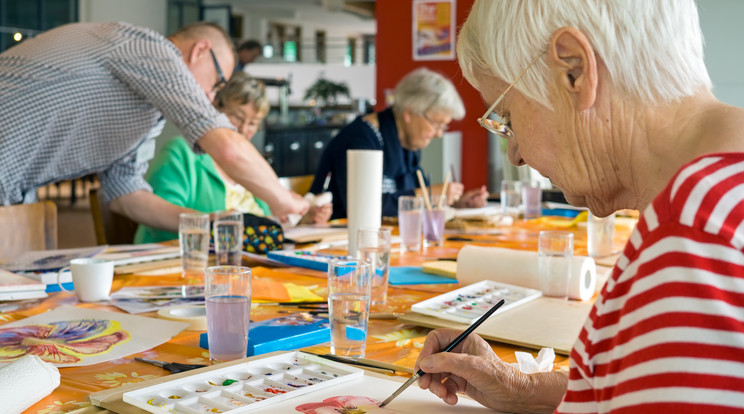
column 61, row 342
column 347, row 404
column 71, row 336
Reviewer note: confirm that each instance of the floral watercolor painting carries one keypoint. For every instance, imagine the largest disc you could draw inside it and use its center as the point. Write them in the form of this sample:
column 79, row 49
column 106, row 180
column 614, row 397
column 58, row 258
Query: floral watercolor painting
column 343, row 405
column 72, row 336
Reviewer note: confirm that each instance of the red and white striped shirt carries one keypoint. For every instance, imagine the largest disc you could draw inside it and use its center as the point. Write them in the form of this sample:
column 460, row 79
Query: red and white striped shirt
column 667, row 332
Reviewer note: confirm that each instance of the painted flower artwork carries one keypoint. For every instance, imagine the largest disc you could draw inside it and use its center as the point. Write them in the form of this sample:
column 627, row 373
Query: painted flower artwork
column 63, row 342
column 348, row 404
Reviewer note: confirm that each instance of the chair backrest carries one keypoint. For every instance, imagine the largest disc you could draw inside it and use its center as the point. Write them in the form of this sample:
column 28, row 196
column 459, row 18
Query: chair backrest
column 111, row 228
column 299, row 184
column 28, row 227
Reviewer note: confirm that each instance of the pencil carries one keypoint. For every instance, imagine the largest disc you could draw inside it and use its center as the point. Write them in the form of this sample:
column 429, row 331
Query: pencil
column 448, row 348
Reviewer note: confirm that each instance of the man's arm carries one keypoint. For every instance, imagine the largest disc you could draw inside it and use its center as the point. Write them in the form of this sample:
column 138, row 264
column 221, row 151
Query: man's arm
column 244, row 164
column 149, row 209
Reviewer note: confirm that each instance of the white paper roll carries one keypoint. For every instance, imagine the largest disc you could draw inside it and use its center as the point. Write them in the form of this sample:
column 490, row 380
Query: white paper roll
column 518, row 267
column 24, row 382
column 363, row 192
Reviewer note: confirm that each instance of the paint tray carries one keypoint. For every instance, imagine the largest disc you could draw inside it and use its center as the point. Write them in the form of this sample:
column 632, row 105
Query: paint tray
column 243, row 387
column 467, row 304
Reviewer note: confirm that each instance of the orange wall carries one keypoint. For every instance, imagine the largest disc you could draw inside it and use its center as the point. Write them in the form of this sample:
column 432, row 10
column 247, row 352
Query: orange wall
column 394, row 59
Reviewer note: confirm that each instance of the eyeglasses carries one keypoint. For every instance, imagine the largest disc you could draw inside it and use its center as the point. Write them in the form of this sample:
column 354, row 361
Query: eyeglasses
column 438, row 126
column 220, row 83
column 503, row 129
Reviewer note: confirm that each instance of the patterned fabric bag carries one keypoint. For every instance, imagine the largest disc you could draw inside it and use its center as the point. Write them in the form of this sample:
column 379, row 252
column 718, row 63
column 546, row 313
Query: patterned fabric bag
column 260, row 234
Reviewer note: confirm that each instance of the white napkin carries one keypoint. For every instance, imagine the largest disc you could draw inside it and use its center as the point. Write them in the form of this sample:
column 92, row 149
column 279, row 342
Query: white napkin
column 530, row 365
column 25, row 381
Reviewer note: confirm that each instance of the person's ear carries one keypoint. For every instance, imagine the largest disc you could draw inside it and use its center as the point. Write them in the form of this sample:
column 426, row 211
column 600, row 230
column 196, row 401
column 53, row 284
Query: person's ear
column 573, row 56
column 198, row 50
column 407, row 115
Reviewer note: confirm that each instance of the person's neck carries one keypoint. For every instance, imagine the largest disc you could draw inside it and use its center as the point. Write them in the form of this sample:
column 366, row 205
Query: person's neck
column 661, row 139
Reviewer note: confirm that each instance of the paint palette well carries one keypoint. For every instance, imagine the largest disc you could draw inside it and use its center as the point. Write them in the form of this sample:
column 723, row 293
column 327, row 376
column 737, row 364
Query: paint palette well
column 243, row 387
column 467, row 304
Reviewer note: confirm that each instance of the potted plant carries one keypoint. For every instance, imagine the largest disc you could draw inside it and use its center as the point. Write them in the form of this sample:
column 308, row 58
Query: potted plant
column 326, row 92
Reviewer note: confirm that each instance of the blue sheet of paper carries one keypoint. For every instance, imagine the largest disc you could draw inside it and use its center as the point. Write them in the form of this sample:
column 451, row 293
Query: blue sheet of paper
column 413, row 275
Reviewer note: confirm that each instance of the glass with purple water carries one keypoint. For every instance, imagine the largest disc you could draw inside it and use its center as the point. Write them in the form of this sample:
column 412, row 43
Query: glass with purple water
column 228, row 298
column 410, row 218
column 434, row 224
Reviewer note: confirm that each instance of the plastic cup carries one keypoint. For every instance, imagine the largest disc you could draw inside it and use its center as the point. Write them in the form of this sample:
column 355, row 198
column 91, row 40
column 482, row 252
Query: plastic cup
column 349, row 288
column 193, row 237
column 410, row 218
column 228, row 238
column 227, row 293
column 555, row 251
column 374, row 246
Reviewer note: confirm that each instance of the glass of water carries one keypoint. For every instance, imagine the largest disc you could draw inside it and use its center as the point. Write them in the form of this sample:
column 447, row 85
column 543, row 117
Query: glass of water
column 193, row 237
column 410, row 221
column 228, row 238
column 555, row 254
column 349, row 288
column 374, row 246
column 511, row 198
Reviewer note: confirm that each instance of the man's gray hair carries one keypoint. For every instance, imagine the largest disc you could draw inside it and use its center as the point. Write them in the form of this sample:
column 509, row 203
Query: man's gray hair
column 653, row 49
column 424, row 90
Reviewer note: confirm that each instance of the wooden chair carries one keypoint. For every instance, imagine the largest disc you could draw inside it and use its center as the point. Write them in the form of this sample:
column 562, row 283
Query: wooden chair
column 111, row 228
column 28, row 227
column 299, row 184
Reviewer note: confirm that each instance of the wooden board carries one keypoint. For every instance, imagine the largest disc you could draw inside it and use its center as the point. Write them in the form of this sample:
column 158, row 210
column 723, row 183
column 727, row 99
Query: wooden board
column 541, row 323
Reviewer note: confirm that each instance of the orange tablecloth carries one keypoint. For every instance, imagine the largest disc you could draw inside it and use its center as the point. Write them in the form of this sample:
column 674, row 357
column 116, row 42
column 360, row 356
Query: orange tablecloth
column 388, row 340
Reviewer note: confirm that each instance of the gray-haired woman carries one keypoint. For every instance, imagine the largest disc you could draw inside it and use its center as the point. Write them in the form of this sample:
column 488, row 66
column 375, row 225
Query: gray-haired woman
column 425, row 104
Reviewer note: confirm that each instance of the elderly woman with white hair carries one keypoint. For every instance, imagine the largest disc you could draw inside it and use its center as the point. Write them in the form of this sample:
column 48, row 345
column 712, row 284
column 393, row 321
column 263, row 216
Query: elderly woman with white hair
column 425, row 103
column 611, row 100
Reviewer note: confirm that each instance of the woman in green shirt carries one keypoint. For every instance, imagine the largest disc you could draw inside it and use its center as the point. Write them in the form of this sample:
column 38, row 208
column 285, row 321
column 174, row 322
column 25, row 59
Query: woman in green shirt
column 193, row 180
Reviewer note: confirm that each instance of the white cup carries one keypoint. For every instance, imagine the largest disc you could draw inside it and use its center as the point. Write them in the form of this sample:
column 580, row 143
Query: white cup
column 91, row 277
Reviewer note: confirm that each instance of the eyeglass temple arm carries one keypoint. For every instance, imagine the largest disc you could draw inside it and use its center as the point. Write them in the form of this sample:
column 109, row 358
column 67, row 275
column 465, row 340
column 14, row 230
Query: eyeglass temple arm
column 493, row 106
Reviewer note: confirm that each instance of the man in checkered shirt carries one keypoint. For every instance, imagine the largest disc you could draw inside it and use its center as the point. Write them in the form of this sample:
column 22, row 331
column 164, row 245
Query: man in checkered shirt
column 91, row 98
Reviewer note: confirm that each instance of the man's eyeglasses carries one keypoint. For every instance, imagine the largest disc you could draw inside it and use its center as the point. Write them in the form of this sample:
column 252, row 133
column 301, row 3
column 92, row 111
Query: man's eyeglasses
column 503, row 129
column 220, row 83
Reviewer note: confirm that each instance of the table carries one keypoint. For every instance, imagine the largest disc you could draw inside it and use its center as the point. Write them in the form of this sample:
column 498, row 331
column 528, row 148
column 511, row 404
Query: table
column 388, row 341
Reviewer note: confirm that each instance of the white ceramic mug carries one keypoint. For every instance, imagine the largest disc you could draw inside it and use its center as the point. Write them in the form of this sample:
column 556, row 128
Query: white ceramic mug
column 91, row 277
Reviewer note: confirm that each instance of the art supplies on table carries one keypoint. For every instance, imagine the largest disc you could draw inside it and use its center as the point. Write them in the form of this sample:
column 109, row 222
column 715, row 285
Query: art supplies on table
column 414, row 275
column 194, row 314
column 303, row 258
column 467, row 304
column 127, row 254
column 284, row 333
column 40, row 260
column 315, row 234
column 159, row 292
column 243, row 387
column 17, row 287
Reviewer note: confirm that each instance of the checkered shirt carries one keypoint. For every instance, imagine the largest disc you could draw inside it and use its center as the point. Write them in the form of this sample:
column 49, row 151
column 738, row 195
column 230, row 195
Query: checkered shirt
column 83, row 97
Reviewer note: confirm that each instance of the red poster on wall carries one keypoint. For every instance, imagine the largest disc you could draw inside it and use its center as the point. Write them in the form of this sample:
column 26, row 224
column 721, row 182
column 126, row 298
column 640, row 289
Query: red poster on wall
column 433, row 29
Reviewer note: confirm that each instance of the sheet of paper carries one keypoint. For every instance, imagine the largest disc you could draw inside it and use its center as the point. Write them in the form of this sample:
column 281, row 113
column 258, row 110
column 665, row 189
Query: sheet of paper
column 71, row 336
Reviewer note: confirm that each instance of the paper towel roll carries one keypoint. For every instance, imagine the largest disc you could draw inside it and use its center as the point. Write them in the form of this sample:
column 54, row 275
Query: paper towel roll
column 518, row 267
column 363, row 192
column 25, row 381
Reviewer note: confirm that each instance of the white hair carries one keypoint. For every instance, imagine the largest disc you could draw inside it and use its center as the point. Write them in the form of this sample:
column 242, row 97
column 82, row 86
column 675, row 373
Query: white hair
column 653, row 49
column 425, row 90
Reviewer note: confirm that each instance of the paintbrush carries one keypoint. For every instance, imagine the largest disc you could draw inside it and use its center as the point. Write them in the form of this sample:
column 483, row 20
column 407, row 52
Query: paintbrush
column 448, row 348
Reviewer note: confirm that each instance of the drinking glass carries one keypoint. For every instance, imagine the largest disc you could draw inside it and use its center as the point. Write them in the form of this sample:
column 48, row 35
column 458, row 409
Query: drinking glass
column 228, row 238
column 433, row 224
column 511, row 198
column 555, row 251
column 599, row 233
column 531, row 200
column 374, row 246
column 228, row 297
column 410, row 218
column 193, row 236
column 349, row 288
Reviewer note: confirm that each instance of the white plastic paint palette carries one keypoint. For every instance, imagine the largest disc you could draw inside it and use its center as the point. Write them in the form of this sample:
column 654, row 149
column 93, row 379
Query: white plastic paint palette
column 467, row 304
column 243, row 387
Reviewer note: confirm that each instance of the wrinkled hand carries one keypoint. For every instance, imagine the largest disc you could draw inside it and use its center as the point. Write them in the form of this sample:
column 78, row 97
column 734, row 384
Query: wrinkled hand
column 318, row 214
column 477, row 197
column 454, row 192
column 471, row 368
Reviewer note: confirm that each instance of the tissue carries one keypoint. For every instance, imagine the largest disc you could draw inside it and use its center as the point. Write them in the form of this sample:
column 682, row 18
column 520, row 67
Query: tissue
column 25, row 381
column 529, row 365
